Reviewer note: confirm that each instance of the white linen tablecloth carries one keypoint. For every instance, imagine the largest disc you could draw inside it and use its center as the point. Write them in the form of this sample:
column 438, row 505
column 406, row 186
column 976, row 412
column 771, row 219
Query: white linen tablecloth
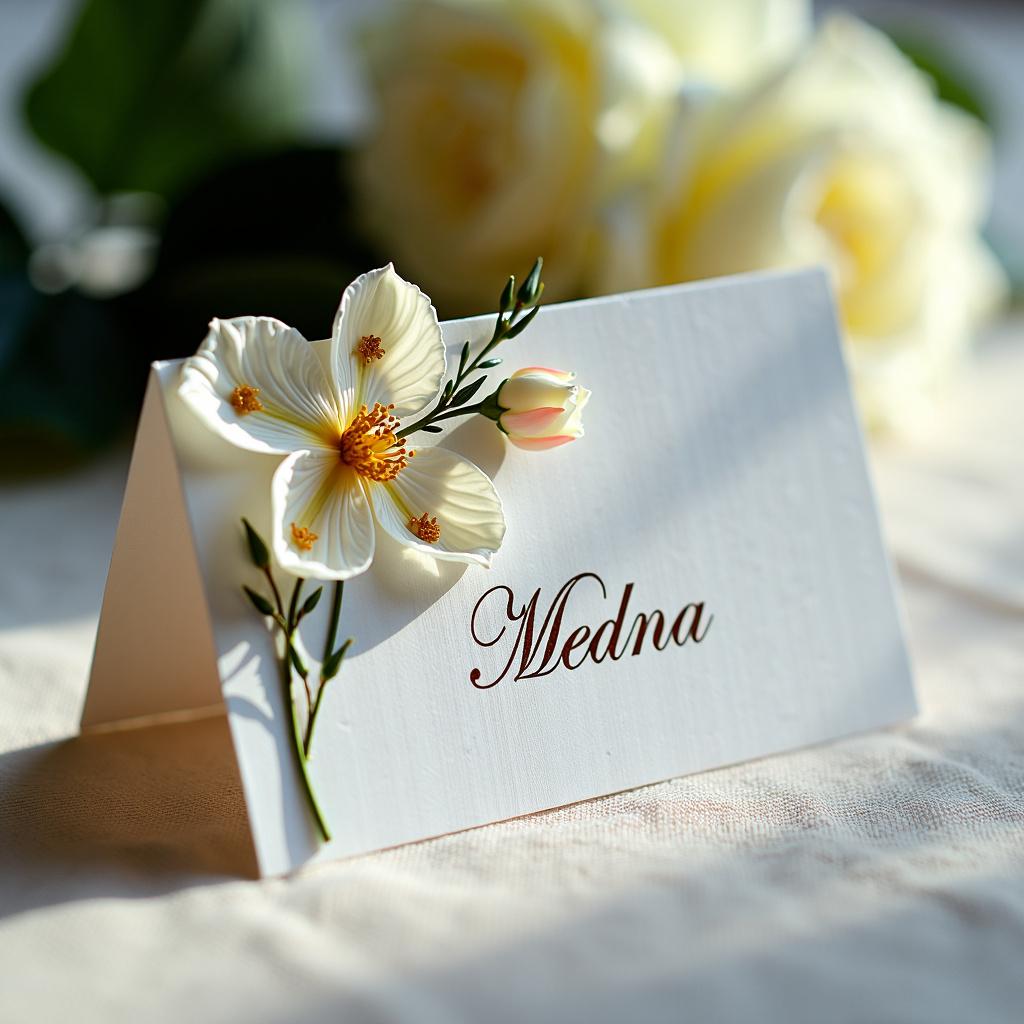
column 880, row 878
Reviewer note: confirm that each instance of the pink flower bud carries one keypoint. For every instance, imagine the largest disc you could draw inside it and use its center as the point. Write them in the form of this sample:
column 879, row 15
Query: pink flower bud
column 542, row 408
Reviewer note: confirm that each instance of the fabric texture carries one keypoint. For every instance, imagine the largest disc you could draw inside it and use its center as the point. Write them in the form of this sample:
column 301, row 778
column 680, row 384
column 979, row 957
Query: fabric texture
column 878, row 878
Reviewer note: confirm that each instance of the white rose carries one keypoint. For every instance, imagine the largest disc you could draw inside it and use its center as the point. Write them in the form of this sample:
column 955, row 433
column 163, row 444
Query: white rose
column 844, row 157
column 726, row 44
column 502, row 125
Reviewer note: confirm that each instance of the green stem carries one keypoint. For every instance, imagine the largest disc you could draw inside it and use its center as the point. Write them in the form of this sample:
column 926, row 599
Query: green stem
column 294, row 604
column 332, row 627
column 442, row 410
column 300, row 755
column 277, row 593
column 315, row 716
column 292, row 652
column 467, row 410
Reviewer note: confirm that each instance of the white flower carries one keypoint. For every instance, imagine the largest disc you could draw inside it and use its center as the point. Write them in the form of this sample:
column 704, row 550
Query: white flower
column 501, row 127
column 542, row 408
column 333, row 408
column 844, row 157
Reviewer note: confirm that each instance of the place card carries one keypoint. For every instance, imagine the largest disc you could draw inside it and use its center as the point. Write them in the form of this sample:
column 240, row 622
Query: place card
column 698, row 580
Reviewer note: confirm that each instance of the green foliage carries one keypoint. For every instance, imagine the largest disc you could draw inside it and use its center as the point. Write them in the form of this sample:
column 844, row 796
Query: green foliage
column 954, row 84
column 332, row 665
column 258, row 551
column 149, row 96
column 259, row 602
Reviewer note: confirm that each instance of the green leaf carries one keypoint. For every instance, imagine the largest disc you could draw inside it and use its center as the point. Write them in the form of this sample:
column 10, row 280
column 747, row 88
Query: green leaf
column 430, row 428
column 463, row 359
column 505, row 302
column 524, row 323
column 488, row 363
column 311, row 602
column 530, row 291
column 260, row 603
column 332, row 665
column 463, row 396
column 146, row 97
column 954, row 83
column 257, row 548
column 293, row 654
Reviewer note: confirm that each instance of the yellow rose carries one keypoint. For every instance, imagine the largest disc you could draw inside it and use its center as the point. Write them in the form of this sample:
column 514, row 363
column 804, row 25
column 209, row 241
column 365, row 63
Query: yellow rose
column 843, row 157
column 502, row 125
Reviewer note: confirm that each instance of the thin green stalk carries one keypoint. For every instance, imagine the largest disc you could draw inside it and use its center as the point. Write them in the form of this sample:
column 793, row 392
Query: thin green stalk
column 277, row 593
column 332, row 627
column 300, row 755
column 294, row 604
column 314, row 718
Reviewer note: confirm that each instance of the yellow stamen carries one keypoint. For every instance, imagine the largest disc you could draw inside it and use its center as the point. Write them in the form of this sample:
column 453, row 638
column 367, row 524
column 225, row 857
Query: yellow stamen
column 371, row 447
column 303, row 537
column 426, row 529
column 369, row 348
column 244, row 400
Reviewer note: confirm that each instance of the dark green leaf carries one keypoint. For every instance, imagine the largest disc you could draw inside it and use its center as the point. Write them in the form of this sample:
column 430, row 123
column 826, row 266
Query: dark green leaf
column 430, row 428
column 463, row 396
column 524, row 323
column 296, row 660
column 448, row 389
column 505, row 302
column 146, row 97
column 488, row 363
column 260, row 603
column 530, row 291
column 463, row 359
column 332, row 665
column 311, row 602
column 257, row 548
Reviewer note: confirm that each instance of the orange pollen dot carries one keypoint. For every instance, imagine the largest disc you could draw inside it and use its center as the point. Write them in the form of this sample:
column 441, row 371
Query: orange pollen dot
column 426, row 529
column 245, row 399
column 369, row 348
column 303, row 537
column 370, row 444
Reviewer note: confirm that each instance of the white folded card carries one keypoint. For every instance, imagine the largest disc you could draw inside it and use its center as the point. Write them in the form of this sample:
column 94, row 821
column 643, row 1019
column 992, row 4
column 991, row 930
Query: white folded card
column 698, row 581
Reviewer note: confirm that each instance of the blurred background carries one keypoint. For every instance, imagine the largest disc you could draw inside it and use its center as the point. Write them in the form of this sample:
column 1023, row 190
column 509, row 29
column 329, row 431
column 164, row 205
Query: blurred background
column 161, row 164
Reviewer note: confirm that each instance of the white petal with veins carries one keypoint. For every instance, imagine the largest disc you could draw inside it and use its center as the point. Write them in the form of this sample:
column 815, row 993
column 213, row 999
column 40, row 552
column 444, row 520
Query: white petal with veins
column 298, row 408
column 442, row 484
column 319, row 493
column 381, row 304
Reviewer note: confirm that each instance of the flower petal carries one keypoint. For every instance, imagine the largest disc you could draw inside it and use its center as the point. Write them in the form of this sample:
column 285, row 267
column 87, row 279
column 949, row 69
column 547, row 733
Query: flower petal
column 534, row 423
column 380, row 304
column 297, row 409
column 440, row 483
column 539, row 444
column 318, row 493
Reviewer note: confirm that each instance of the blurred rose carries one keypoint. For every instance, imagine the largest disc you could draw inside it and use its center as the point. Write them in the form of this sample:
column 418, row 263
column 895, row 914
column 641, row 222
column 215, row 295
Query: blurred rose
column 843, row 157
column 726, row 44
column 502, row 125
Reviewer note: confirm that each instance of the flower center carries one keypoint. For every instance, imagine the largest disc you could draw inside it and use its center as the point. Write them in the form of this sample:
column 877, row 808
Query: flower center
column 370, row 445
column 303, row 537
column 426, row 529
column 245, row 399
column 369, row 348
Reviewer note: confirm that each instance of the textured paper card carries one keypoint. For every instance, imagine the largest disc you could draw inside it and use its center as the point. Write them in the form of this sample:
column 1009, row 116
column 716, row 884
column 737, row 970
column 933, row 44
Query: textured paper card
column 698, row 581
